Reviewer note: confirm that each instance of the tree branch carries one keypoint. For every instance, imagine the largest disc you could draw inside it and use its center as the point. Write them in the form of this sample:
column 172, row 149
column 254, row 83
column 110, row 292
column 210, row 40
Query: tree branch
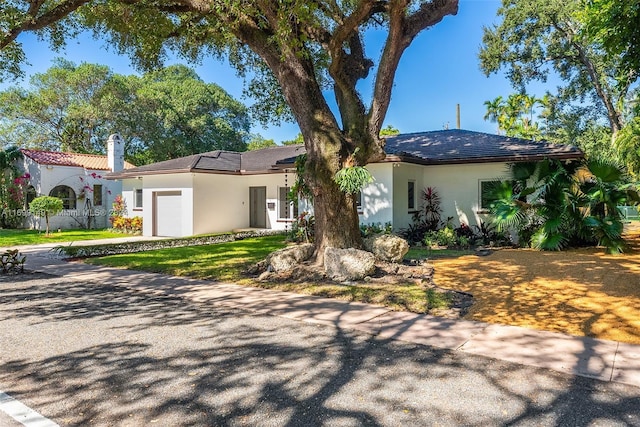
column 402, row 31
column 32, row 22
column 429, row 14
column 615, row 117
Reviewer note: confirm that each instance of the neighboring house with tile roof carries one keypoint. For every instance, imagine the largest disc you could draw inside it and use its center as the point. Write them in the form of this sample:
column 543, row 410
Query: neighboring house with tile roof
column 221, row 191
column 79, row 180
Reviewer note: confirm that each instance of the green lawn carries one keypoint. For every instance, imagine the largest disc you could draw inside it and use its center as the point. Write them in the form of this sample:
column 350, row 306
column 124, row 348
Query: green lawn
column 32, row 237
column 222, row 261
column 226, row 262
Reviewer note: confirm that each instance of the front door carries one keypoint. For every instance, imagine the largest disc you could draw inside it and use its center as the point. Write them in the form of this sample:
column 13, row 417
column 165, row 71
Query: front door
column 258, row 207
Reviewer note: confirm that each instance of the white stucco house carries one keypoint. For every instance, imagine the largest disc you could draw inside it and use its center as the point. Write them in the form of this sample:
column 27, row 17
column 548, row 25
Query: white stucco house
column 222, row 191
column 79, row 180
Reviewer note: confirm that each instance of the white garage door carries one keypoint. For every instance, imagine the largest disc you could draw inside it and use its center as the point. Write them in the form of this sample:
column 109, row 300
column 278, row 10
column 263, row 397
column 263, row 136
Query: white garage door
column 168, row 213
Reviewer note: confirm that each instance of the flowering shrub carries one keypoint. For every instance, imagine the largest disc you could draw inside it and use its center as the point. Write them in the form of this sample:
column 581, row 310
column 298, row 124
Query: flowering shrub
column 127, row 225
column 119, row 207
column 13, row 191
column 121, row 223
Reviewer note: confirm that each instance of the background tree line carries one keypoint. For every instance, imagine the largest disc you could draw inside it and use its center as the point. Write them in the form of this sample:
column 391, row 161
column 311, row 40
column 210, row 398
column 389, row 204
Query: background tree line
column 593, row 47
column 161, row 115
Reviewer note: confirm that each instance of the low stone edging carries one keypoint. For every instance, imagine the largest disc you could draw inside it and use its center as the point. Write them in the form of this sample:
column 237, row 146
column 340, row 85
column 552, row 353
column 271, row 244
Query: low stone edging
column 70, row 251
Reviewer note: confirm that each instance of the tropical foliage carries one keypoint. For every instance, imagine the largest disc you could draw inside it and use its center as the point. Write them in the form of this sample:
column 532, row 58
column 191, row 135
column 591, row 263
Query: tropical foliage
column 554, row 204
column 516, row 115
column 425, row 219
column 127, row 225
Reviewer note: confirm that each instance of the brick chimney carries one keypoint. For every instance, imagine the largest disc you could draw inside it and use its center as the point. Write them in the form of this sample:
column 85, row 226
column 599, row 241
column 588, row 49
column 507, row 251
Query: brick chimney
column 115, row 153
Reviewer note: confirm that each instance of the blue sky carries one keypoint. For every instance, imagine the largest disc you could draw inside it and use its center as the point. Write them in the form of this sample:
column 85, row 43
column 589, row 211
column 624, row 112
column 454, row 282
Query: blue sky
column 439, row 70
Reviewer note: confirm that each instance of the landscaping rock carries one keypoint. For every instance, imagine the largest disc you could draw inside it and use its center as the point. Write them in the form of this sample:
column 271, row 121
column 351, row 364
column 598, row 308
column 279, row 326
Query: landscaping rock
column 288, row 258
column 387, row 247
column 265, row 276
column 348, row 264
column 423, row 271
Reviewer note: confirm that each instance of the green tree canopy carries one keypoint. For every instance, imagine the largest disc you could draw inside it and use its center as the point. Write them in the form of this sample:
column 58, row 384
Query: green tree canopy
column 258, row 142
column 174, row 113
column 46, row 206
column 389, row 131
column 60, row 110
column 49, row 19
column 299, row 139
column 164, row 114
column 537, row 37
column 616, row 25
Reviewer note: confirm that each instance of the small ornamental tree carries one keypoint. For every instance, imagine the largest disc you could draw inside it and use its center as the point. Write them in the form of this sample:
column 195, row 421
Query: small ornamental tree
column 45, row 206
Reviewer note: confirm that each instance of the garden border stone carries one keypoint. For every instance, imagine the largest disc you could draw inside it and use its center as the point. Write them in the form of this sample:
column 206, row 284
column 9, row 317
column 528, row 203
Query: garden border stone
column 73, row 251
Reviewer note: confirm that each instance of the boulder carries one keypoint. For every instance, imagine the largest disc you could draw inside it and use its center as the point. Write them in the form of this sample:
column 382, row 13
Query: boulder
column 288, row 258
column 387, row 247
column 348, row 264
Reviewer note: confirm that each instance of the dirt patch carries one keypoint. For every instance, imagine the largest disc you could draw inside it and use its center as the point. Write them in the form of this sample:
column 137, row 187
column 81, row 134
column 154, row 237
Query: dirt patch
column 386, row 287
column 582, row 292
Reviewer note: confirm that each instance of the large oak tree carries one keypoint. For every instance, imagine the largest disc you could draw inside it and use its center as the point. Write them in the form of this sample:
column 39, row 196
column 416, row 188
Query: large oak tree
column 294, row 49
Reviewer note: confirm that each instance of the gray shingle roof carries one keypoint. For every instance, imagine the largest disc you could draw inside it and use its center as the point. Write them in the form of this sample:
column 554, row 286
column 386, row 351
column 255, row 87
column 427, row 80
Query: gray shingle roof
column 463, row 146
column 223, row 161
column 217, row 161
column 267, row 158
column 435, row 147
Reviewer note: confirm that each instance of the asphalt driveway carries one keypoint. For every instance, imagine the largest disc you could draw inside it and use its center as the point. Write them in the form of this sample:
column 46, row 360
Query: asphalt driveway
column 83, row 353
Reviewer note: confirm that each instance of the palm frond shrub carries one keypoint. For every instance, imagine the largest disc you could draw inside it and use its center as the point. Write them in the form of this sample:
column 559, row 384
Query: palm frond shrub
column 553, row 204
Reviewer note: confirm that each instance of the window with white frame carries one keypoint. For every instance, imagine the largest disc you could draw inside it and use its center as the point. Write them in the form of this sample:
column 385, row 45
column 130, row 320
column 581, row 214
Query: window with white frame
column 286, row 208
column 137, row 198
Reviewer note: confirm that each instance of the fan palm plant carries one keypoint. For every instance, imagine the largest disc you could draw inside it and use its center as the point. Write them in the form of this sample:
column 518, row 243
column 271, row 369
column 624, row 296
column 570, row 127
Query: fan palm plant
column 605, row 186
column 554, row 204
column 536, row 203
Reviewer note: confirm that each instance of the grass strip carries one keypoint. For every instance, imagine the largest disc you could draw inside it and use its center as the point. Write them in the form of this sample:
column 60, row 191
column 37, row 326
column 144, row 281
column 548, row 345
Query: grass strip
column 11, row 237
column 227, row 261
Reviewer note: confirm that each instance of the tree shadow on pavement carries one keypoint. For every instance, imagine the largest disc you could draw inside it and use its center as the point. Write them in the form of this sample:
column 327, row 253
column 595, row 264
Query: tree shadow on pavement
column 83, row 354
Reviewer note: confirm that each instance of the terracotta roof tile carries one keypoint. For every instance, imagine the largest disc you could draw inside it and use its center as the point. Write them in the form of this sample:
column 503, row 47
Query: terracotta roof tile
column 87, row 161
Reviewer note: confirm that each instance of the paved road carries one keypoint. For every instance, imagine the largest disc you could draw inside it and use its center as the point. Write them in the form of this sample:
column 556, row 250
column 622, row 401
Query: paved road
column 92, row 354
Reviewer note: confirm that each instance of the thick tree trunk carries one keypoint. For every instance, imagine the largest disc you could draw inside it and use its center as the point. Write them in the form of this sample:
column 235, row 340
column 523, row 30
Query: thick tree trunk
column 336, row 216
